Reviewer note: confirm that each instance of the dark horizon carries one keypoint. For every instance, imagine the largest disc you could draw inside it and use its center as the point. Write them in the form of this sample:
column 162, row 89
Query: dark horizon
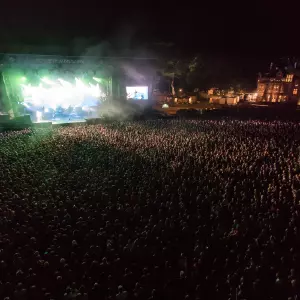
column 229, row 28
column 247, row 36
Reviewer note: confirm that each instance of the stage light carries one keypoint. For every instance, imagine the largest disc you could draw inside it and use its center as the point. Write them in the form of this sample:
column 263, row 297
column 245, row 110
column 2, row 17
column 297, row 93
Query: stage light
column 46, row 80
column 79, row 83
column 95, row 90
column 23, row 78
column 64, row 83
column 39, row 116
column 97, row 79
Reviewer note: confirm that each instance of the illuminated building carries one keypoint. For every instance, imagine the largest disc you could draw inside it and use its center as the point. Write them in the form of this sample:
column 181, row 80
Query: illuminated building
column 279, row 85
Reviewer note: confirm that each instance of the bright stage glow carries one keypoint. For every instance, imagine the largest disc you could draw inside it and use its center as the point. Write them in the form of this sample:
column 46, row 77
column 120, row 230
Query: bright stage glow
column 137, row 92
column 60, row 93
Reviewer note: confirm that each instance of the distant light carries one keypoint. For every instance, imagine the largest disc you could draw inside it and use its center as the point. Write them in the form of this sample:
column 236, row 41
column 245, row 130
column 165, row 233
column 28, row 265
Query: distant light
column 165, row 106
column 180, row 90
column 23, row 78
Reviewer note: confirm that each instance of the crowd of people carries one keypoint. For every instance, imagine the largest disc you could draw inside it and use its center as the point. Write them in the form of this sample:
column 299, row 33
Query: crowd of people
column 161, row 209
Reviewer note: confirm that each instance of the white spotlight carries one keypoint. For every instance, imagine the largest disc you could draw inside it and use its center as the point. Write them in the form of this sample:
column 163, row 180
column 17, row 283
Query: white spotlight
column 39, row 116
column 46, row 80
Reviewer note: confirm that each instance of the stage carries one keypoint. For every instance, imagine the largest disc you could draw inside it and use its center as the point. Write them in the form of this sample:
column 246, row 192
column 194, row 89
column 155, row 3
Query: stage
column 59, row 122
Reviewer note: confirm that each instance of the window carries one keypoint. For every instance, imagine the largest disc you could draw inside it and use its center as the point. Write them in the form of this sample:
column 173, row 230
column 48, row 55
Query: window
column 295, row 92
column 289, row 78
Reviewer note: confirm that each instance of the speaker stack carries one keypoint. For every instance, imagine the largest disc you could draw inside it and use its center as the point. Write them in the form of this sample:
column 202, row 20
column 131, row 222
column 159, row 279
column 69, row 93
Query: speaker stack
column 24, row 120
column 17, row 123
column 4, row 118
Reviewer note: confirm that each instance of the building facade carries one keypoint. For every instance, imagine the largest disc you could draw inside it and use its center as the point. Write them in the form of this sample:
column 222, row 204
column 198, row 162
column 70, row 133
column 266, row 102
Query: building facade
column 279, row 87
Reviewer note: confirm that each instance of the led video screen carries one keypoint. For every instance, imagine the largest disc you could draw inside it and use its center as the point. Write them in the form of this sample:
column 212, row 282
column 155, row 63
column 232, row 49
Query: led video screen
column 137, row 92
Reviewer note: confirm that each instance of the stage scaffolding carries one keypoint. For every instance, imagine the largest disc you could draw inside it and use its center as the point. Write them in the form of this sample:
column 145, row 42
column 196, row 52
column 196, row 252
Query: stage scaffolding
column 14, row 67
column 117, row 71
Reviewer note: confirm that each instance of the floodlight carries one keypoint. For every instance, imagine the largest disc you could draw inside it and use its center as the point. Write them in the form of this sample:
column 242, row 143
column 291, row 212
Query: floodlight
column 97, row 79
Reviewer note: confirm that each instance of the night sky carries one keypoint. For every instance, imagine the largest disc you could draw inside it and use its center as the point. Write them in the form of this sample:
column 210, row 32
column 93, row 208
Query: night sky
column 251, row 33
